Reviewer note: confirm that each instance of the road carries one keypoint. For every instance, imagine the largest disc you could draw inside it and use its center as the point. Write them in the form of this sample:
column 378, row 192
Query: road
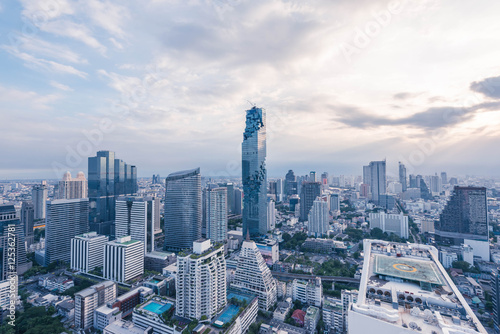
column 323, row 278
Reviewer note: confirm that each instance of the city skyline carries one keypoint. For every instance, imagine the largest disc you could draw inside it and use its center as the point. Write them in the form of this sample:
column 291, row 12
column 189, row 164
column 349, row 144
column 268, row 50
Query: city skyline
column 75, row 71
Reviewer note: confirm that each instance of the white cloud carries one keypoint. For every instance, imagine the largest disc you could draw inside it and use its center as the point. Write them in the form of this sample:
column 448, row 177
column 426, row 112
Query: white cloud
column 60, row 86
column 51, row 50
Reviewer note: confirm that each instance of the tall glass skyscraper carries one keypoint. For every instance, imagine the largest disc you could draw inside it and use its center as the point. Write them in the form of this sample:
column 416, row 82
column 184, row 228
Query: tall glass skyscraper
column 108, row 178
column 378, row 180
column 182, row 209
column 402, row 176
column 254, row 173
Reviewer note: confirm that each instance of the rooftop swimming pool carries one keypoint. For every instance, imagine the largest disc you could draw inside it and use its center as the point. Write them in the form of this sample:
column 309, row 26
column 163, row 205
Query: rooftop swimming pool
column 156, row 307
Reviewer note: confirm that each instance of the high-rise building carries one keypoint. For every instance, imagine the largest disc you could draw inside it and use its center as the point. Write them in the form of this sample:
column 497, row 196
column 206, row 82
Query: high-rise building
column 215, row 213
column 280, row 190
column 66, row 218
column 324, row 178
column 28, row 222
column 136, row 217
column 39, row 197
column 318, row 218
column 271, row 214
column 88, row 300
column 367, row 175
column 495, row 297
column 312, row 176
column 12, row 245
column 272, row 188
column 405, row 289
column 390, row 223
column 444, row 178
column 183, row 209
column 334, row 202
column 290, row 184
column 108, row 178
column 238, row 201
column 425, row 193
column 201, row 281
column 123, row 259
column 465, row 216
column 332, row 315
column 87, row 251
column 230, row 198
column 413, row 182
column 253, row 276
column 70, row 188
column 254, row 173
column 402, row 176
column 309, row 192
column 377, row 180
column 348, row 298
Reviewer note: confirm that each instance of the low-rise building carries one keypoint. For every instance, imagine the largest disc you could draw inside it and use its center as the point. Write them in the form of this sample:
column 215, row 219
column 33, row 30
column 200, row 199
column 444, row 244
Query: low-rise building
column 55, row 283
column 161, row 285
column 282, row 310
column 125, row 327
column 126, row 302
column 311, row 319
column 105, row 315
column 308, row 292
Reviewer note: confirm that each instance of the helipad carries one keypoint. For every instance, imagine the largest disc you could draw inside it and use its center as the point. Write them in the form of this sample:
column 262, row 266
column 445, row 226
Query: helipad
column 409, row 269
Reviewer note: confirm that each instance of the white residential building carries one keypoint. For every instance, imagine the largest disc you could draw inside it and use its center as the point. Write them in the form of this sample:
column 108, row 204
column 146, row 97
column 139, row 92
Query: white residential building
column 271, row 214
column 309, row 292
column 145, row 317
column 105, row 315
column 70, row 188
column 318, row 218
column 390, row 223
column 215, row 213
column 88, row 300
column 87, row 251
column 311, row 319
column 123, row 259
column 201, row 281
column 253, row 276
column 447, row 258
column 332, row 315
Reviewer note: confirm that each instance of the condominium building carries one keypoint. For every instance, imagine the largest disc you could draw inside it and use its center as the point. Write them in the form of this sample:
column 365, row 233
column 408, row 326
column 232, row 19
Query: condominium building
column 39, row 197
column 201, row 281
column 87, row 251
column 311, row 319
column 66, row 218
column 332, row 315
column 136, row 217
column 404, row 289
column 308, row 292
column 253, row 276
column 149, row 315
column 123, row 259
column 390, row 223
column 318, row 218
column 71, row 188
column 88, row 300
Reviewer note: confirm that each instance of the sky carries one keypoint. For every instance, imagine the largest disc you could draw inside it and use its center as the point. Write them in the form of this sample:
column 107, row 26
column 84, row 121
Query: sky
column 165, row 84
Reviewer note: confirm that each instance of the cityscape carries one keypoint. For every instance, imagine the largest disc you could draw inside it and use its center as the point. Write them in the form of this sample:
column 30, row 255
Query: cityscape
column 281, row 214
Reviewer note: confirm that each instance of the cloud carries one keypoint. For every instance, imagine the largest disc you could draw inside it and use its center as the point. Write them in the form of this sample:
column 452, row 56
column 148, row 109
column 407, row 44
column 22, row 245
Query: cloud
column 489, row 87
column 60, row 86
column 74, row 30
column 51, row 50
column 43, row 64
column 405, row 95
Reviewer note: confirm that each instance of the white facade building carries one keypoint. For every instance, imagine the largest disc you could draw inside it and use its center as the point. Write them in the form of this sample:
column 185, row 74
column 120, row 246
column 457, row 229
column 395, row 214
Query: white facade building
column 332, row 315
column 88, row 300
column 390, row 223
column 87, row 251
column 215, row 213
column 318, row 218
column 70, row 188
column 309, row 292
column 123, row 259
column 253, row 276
column 201, row 281
column 104, row 315
column 447, row 258
column 4, row 294
column 271, row 214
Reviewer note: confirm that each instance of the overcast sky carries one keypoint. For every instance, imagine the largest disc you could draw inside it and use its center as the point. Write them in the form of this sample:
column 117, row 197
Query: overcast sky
column 165, row 84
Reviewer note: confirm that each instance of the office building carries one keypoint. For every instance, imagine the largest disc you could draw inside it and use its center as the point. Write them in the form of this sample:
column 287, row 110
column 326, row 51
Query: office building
column 215, row 213
column 28, row 222
column 309, row 192
column 378, row 180
column 254, row 277
column 444, row 178
column 10, row 228
column 318, row 218
column 436, row 185
column 66, row 218
column 108, row 178
column 69, row 188
column 290, row 184
column 87, row 251
column 254, row 173
column 405, row 289
column 308, row 292
column 271, row 214
column 402, row 177
column 201, row 281
column 465, row 216
column 390, row 223
column 229, row 193
column 88, row 300
column 183, row 209
column 136, row 217
column 238, row 202
column 123, row 259
column 39, row 198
